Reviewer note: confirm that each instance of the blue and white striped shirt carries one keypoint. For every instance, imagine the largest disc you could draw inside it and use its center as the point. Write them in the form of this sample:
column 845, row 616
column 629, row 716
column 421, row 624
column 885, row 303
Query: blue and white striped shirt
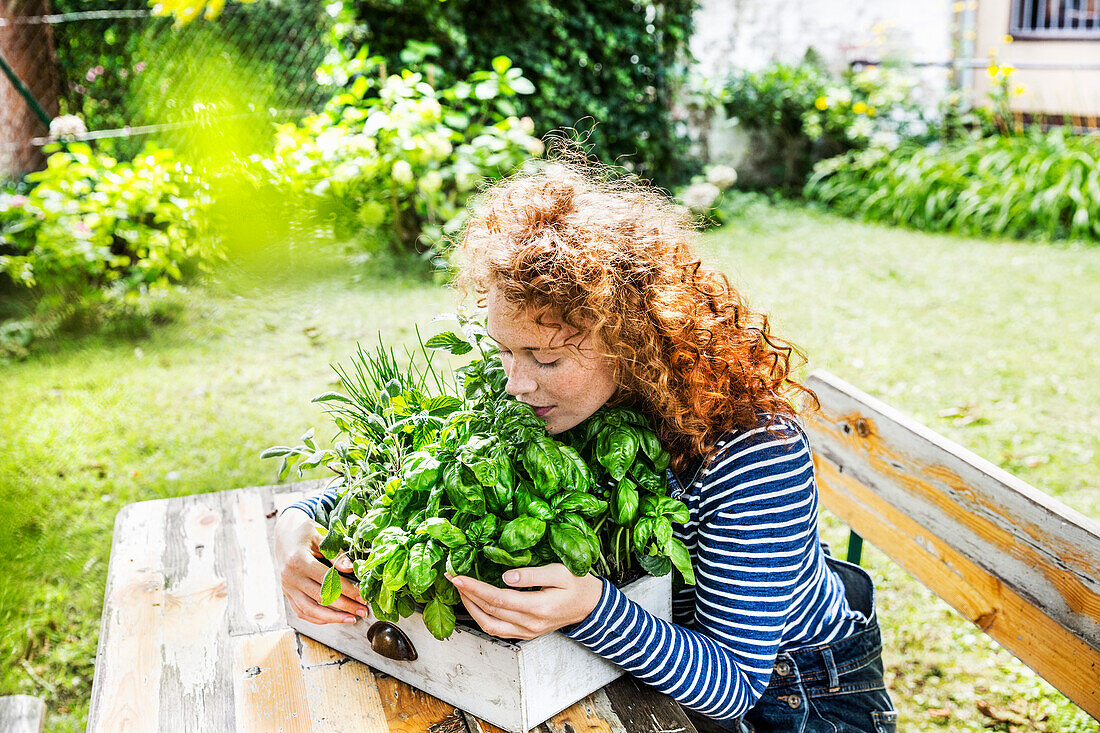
column 762, row 585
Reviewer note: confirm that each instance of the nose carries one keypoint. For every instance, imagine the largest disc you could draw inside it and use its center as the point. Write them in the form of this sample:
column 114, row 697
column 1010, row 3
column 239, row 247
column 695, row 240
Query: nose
column 519, row 380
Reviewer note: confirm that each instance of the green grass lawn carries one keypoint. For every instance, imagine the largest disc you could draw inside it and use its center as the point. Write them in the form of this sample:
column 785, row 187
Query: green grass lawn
column 989, row 343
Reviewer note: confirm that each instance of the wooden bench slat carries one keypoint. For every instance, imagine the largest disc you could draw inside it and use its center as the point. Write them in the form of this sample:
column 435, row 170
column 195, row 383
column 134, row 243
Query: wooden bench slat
column 1015, row 561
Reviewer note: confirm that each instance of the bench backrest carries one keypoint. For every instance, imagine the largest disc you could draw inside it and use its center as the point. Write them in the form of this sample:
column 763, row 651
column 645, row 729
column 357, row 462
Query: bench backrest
column 1021, row 565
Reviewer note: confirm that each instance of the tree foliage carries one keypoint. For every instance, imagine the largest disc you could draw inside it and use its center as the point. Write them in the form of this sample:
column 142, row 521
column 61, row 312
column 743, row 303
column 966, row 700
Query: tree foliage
column 605, row 67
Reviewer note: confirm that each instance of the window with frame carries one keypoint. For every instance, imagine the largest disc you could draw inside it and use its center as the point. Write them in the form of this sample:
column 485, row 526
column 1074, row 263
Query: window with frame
column 1055, row 19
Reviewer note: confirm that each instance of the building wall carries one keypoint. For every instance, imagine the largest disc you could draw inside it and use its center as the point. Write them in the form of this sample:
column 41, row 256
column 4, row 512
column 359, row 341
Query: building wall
column 749, row 34
column 1049, row 91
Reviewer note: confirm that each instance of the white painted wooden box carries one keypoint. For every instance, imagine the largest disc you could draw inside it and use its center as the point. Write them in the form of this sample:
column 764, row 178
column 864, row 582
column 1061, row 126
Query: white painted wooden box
column 513, row 685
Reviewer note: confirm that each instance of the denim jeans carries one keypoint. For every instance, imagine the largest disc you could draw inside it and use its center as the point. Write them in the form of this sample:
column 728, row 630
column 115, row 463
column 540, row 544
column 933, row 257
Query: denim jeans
column 833, row 688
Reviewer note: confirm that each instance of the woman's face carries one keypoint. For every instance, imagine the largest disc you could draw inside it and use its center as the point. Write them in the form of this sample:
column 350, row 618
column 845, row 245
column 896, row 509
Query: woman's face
column 563, row 383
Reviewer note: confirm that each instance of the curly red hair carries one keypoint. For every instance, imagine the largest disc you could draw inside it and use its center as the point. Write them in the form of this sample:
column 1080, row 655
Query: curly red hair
column 614, row 257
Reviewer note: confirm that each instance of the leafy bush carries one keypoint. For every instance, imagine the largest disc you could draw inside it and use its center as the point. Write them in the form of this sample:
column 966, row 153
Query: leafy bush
column 1035, row 184
column 392, row 162
column 805, row 115
column 614, row 63
column 93, row 228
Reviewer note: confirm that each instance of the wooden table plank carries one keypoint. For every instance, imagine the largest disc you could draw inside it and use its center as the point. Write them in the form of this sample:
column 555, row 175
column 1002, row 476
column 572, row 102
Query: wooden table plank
column 409, row 710
column 196, row 691
column 128, row 672
column 257, row 601
column 268, row 684
column 342, row 692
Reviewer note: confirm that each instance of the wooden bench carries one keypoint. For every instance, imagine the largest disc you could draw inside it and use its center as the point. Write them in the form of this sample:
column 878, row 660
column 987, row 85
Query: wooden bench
column 1016, row 562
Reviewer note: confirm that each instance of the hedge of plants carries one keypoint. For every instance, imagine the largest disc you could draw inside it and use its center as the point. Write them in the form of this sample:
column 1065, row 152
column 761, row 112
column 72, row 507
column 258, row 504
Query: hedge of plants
column 617, row 64
column 802, row 114
column 1036, row 184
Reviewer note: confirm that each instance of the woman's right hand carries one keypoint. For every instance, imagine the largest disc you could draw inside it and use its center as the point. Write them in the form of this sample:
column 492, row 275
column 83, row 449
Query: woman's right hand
column 297, row 555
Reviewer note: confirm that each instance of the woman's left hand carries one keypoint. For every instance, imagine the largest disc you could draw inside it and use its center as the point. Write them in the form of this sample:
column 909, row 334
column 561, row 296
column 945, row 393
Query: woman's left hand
column 563, row 599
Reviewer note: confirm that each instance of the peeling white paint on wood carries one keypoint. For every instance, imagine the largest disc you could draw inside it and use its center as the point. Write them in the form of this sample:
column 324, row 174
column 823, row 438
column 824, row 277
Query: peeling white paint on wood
column 257, row 597
column 127, row 681
column 195, row 604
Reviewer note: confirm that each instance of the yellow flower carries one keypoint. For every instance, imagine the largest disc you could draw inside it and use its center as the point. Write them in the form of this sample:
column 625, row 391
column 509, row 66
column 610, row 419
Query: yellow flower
column 1020, row 89
column 859, row 108
column 1008, row 69
column 871, row 111
column 821, row 103
column 993, row 69
column 1008, row 38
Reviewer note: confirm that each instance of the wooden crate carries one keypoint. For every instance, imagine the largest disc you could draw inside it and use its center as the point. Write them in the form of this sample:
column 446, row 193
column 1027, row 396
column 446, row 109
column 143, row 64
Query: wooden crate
column 515, row 686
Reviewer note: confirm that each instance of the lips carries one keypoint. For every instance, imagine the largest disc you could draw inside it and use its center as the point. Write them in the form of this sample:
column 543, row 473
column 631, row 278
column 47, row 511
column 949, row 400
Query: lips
column 541, row 411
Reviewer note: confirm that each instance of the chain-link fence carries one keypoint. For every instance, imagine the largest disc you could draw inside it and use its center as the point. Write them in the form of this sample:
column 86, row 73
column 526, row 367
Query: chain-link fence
column 130, row 76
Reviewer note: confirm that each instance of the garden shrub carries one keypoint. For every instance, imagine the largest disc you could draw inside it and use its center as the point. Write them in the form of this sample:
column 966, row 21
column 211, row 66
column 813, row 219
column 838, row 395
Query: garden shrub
column 1034, row 184
column 94, row 229
column 616, row 63
column 803, row 114
column 392, row 161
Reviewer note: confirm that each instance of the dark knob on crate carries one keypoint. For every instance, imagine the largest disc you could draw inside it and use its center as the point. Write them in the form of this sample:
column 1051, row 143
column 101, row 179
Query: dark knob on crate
column 390, row 641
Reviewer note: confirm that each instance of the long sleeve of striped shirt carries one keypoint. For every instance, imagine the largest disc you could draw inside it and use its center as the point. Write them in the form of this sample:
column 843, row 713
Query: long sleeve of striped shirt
column 761, row 582
column 313, row 502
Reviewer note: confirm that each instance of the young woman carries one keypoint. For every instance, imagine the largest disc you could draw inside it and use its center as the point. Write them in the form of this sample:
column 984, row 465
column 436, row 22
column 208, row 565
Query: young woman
column 595, row 296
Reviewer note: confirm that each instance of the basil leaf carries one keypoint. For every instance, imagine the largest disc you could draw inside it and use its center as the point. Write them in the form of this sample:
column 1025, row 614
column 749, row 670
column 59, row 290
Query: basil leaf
column 439, row 618
column 616, row 449
column 441, row 529
column 397, row 568
column 330, row 587
column 333, row 543
column 572, row 547
column 673, row 508
column 681, row 558
column 654, row 564
column 460, row 560
column 522, row 533
column 422, row 561
column 624, row 509
column 509, row 559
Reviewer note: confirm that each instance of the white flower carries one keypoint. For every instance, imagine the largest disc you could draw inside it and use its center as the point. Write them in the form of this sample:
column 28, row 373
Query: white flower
column 402, row 172
column 439, row 146
column 430, row 182
column 860, row 129
column 700, row 196
column 67, row 126
column 885, row 139
column 722, row 176
column 535, row 147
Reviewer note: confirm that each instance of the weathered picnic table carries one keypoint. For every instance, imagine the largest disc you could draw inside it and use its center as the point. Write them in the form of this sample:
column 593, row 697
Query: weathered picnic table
column 194, row 637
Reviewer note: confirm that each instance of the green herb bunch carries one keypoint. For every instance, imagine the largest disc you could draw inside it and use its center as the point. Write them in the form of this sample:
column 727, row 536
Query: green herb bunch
column 466, row 481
